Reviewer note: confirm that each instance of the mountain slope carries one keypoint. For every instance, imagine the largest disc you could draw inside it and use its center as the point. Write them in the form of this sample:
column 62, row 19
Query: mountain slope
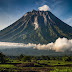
column 36, row 27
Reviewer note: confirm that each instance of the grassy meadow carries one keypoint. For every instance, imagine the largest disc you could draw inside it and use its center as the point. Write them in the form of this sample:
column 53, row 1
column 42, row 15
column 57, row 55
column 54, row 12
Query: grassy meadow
column 24, row 63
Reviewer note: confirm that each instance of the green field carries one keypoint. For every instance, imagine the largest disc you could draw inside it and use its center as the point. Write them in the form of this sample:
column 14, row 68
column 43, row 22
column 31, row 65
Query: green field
column 24, row 63
column 12, row 68
column 39, row 66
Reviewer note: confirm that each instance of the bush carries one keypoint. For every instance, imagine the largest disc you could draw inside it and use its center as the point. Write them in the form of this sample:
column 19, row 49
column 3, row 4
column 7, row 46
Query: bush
column 26, row 58
column 3, row 58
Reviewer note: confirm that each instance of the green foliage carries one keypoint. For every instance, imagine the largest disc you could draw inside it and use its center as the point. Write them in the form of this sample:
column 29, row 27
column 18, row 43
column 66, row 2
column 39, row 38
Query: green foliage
column 3, row 58
column 37, row 63
column 8, row 70
column 35, row 58
column 21, row 56
column 64, row 69
column 67, row 58
column 26, row 58
column 7, row 66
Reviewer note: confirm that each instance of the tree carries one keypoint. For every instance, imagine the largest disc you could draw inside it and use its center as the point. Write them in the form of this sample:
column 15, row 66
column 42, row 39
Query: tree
column 21, row 56
column 2, row 58
column 67, row 58
column 26, row 58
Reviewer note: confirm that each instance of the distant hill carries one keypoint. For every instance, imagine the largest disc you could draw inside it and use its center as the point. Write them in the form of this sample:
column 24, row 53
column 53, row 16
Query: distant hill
column 33, row 52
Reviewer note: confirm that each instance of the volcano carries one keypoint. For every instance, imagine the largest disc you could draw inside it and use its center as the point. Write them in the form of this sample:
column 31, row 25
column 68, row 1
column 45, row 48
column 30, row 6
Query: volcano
column 36, row 27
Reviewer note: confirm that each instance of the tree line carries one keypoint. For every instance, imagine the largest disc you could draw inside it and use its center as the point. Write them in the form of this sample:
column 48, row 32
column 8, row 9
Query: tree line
column 4, row 58
column 35, row 58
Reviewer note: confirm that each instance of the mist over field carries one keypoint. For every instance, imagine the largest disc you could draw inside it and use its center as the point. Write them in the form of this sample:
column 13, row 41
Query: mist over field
column 60, row 45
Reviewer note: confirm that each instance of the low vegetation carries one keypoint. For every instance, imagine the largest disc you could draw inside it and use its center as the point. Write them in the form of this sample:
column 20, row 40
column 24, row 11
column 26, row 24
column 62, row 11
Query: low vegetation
column 35, row 63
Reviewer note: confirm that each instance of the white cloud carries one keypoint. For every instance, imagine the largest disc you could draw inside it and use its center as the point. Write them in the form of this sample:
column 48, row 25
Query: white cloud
column 44, row 8
column 4, row 45
column 60, row 45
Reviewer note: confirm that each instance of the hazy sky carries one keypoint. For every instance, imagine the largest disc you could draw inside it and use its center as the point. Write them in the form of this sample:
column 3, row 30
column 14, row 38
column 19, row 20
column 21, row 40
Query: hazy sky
column 12, row 10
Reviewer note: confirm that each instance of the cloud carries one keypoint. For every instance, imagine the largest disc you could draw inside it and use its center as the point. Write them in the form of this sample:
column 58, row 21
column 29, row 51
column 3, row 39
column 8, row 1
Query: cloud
column 60, row 45
column 15, row 45
column 44, row 8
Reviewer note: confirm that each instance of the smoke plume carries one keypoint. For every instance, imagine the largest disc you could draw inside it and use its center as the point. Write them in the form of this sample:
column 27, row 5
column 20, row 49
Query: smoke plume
column 44, row 8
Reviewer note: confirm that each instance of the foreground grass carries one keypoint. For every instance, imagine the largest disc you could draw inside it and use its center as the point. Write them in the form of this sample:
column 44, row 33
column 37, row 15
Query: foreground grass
column 40, row 66
column 62, row 69
column 37, row 69
column 7, row 66
column 53, row 62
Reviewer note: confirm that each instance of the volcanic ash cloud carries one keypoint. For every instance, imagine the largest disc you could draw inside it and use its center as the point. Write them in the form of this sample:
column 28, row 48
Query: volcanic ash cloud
column 44, row 8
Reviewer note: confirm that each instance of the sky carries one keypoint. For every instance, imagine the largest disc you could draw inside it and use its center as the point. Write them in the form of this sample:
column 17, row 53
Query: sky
column 12, row 10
